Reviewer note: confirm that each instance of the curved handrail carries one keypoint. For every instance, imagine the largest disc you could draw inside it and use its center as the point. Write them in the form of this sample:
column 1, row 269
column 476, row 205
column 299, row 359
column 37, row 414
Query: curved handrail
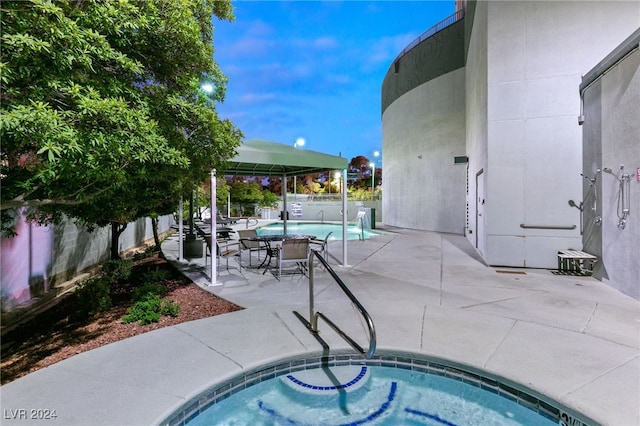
column 314, row 316
column 252, row 219
column 449, row 20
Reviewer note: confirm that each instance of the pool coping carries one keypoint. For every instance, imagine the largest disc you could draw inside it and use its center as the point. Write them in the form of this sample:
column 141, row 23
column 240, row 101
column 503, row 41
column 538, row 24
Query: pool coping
column 513, row 391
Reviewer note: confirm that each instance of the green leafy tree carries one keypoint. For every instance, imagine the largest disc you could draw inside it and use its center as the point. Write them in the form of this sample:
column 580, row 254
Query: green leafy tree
column 222, row 193
column 275, row 185
column 246, row 194
column 269, row 199
column 359, row 164
column 71, row 118
column 315, row 187
column 102, row 114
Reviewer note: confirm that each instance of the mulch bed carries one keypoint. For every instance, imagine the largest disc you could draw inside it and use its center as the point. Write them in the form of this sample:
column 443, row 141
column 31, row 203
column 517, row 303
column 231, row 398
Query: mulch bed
column 56, row 334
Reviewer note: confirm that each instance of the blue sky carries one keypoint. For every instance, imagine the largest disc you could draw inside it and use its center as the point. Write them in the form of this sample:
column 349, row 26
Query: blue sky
column 314, row 69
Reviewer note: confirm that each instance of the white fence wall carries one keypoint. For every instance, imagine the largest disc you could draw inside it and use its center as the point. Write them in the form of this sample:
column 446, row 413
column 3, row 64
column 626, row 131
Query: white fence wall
column 328, row 211
column 40, row 257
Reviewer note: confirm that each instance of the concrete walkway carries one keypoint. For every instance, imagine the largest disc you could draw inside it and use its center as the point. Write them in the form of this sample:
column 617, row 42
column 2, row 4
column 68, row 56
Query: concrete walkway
column 572, row 339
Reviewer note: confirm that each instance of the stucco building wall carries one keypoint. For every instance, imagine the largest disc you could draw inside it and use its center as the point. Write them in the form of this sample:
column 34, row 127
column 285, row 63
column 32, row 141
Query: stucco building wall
column 476, row 124
column 423, row 130
column 522, row 67
column 427, row 127
column 536, row 55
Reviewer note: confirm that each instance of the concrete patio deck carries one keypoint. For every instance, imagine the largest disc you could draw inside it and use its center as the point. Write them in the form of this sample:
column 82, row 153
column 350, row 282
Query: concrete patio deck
column 570, row 338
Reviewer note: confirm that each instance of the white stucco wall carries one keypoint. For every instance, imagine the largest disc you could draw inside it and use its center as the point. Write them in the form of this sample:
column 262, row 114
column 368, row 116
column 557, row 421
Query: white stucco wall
column 476, row 126
column 423, row 131
column 536, row 55
column 518, row 90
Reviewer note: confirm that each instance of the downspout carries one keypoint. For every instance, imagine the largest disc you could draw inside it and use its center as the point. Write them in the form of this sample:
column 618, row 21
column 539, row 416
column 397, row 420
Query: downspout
column 626, row 48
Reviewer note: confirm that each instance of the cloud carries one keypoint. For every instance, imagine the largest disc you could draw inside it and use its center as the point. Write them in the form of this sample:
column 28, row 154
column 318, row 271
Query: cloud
column 339, row 79
column 250, row 47
column 325, row 43
column 257, row 98
column 257, row 39
column 259, row 28
column 385, row 49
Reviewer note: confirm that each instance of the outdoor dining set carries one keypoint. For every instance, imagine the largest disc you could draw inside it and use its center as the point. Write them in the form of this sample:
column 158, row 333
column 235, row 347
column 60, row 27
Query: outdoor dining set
column 285, row 249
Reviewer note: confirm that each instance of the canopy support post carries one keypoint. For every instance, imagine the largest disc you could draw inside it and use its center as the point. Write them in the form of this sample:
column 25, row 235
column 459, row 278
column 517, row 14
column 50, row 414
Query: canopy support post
column 180, row 231
column 214, row 234
column 284, row 203
column 344, row 218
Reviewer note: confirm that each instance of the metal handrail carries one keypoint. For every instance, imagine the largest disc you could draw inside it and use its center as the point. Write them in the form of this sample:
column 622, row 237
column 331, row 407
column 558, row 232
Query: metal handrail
column 446, row 22
column 314, row 316
column 252, row 219
column 568, row 227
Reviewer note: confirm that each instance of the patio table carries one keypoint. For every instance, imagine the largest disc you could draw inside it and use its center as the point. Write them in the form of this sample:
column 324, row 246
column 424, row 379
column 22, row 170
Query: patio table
column 271, row 251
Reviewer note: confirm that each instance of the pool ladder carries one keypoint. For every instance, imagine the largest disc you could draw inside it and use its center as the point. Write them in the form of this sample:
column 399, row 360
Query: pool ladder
column 312, row 324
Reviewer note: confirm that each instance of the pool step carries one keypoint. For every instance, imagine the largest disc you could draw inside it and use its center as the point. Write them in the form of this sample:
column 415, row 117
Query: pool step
column 329, row 380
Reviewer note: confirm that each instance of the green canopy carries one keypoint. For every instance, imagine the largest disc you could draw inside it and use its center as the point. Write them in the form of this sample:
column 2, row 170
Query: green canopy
column 258, row 157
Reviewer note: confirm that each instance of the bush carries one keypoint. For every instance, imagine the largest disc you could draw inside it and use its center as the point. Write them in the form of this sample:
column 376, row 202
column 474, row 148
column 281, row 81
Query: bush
column 92, row 296
column 148, row 290
column 151, row 309
column 155, row 275
column 118, row 270
column 147, row 252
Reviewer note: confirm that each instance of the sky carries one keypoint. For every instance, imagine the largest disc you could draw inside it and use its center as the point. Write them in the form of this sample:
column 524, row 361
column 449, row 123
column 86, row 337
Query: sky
column 314, row 69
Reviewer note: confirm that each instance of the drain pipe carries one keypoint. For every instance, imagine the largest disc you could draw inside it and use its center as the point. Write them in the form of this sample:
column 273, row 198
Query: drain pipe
column 625, row 49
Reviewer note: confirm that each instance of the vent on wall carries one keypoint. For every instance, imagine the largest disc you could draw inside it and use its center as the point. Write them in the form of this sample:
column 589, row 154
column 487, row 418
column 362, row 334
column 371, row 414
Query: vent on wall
column 460, row 160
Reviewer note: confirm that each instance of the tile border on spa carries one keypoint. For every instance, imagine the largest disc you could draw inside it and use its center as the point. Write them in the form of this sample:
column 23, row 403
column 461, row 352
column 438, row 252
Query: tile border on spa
column 514, row 392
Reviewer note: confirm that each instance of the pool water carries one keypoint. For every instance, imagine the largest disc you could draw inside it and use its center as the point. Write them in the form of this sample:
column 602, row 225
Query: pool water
column 319, row 230
column 366, row 395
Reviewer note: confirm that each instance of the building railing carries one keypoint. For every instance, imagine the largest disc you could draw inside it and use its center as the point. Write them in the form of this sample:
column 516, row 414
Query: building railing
column 450, row 20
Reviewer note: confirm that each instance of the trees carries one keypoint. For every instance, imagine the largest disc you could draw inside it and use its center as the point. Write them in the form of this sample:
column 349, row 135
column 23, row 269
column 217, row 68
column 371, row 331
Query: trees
column 102, row 115
column 359, row 164
column 246, row 194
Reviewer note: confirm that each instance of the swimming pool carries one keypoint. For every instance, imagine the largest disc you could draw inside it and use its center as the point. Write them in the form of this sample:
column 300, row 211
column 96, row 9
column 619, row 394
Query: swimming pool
column 320, row 230
column 385, row 390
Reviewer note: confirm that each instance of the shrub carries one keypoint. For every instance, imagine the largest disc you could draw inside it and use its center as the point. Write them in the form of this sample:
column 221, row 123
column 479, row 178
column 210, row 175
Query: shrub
column 155, row 275
column 150, row 250
column 147, row 252
column 170, row 308
column 118, row 270
column 151, row 309
column 148, row 290
column 92, row 296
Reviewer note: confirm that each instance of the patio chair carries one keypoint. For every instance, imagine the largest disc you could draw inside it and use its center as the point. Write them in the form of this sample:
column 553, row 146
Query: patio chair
column 322, row 245
column 224, row 251
column 294, row 251
column 251, row 245
column 220, row 220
